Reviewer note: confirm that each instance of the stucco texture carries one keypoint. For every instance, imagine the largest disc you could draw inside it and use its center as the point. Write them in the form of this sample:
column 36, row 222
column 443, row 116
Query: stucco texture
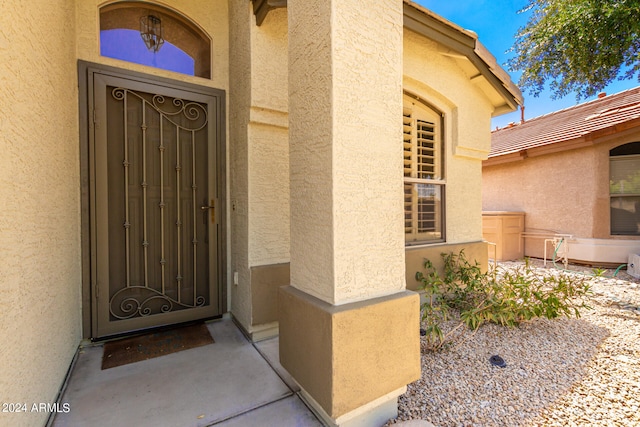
column 553, row 191
column 345, row 90
column 259, row 151
column 268, row 162
column 240, row 19
column 40, row 272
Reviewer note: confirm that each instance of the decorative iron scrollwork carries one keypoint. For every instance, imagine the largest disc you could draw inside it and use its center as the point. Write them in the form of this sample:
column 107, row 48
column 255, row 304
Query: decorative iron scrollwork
column 140, row 301
column 195, row 113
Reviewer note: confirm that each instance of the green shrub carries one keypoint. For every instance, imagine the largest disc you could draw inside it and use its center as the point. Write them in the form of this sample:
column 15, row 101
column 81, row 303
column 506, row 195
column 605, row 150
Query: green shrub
column 503, row 296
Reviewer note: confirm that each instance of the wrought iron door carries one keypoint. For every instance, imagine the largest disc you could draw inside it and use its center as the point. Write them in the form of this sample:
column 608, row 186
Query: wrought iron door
column 155, row 226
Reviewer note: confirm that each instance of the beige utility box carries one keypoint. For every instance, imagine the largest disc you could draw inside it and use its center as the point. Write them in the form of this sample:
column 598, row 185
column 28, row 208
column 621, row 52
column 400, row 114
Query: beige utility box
column 504, row 229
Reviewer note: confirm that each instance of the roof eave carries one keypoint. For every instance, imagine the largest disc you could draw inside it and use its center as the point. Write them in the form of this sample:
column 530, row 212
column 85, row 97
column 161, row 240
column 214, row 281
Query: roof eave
column 448, row 34
column 262, row 7
column 465, row 42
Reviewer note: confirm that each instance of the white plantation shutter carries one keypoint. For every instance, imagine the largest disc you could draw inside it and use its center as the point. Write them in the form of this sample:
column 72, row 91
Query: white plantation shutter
column 423, row 172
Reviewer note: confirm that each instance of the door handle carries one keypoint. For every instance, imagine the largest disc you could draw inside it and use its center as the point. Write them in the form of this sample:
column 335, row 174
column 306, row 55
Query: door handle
column 212, row 208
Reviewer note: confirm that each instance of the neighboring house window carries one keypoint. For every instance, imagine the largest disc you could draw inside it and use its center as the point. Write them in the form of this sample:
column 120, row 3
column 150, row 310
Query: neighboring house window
column 424, row 183
column 624, row 189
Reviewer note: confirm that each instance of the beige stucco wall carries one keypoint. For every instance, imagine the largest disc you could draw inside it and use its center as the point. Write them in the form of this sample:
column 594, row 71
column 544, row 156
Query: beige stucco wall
column 269, row 71
column 259, row 154
column 268, row 194
column 565, row 192
column 349, row 355
column 269, row 142
column 40, row 271
column 345, row 103
column 441, row 81
column 240, row 20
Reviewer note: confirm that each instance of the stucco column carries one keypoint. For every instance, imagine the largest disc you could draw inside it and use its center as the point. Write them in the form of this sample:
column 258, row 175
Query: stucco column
column 348, row 327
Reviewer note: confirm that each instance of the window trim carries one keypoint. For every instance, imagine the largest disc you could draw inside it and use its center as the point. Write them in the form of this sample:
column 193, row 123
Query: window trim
column 440, row 181
column 613, row 158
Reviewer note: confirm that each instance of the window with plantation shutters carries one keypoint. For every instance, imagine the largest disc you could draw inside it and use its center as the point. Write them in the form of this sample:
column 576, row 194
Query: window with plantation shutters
column 423, row 173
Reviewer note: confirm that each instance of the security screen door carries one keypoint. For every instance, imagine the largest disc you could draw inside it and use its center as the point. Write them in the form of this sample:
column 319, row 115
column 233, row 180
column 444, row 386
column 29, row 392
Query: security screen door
column 153, row 161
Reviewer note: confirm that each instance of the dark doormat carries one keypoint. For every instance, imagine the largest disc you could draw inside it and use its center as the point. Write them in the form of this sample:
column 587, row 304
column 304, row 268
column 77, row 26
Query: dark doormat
column 148, row 346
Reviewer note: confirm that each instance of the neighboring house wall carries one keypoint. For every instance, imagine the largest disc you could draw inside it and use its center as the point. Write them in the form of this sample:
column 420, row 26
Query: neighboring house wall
column 555, row 191
column 40, row 269
column 564, row 192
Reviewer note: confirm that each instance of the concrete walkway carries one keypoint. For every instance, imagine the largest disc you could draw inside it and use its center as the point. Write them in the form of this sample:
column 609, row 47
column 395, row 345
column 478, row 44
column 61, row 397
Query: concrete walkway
column 231, row 383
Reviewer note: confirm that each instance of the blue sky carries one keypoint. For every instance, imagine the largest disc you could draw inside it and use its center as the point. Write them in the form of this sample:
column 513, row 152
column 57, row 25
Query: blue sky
column 496, row 22
column 129, row 46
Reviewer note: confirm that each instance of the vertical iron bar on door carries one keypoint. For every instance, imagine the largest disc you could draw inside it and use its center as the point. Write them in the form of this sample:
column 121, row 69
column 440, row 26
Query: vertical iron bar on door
column 194, row 187
column 145, row 238
column 163, row 260
column 126, row 164
column 178, row 218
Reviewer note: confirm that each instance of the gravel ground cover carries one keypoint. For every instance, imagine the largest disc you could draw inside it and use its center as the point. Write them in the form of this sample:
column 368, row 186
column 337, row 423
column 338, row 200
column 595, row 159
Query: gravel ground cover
column 563, row 372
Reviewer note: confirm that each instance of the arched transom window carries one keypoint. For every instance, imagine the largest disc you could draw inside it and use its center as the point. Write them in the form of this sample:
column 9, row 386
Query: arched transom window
column 186, row 48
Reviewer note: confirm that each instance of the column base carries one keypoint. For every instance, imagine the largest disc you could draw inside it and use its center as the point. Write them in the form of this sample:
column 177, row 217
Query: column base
column 352, row 361
column 374, row 413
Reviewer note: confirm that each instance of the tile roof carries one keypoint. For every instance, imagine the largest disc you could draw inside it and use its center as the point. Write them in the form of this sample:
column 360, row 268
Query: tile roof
column 579, row 122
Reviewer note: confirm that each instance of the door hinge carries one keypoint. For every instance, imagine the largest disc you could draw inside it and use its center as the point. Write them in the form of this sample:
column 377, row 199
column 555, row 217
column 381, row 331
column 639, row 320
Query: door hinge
column 94, row 116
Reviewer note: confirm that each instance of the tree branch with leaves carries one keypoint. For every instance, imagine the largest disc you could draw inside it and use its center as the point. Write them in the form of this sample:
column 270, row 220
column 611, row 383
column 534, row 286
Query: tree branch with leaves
column 577, row 46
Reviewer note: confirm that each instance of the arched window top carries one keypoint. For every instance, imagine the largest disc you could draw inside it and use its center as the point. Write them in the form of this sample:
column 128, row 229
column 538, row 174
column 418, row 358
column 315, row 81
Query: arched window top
column 187, row 47
column 626, row 149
